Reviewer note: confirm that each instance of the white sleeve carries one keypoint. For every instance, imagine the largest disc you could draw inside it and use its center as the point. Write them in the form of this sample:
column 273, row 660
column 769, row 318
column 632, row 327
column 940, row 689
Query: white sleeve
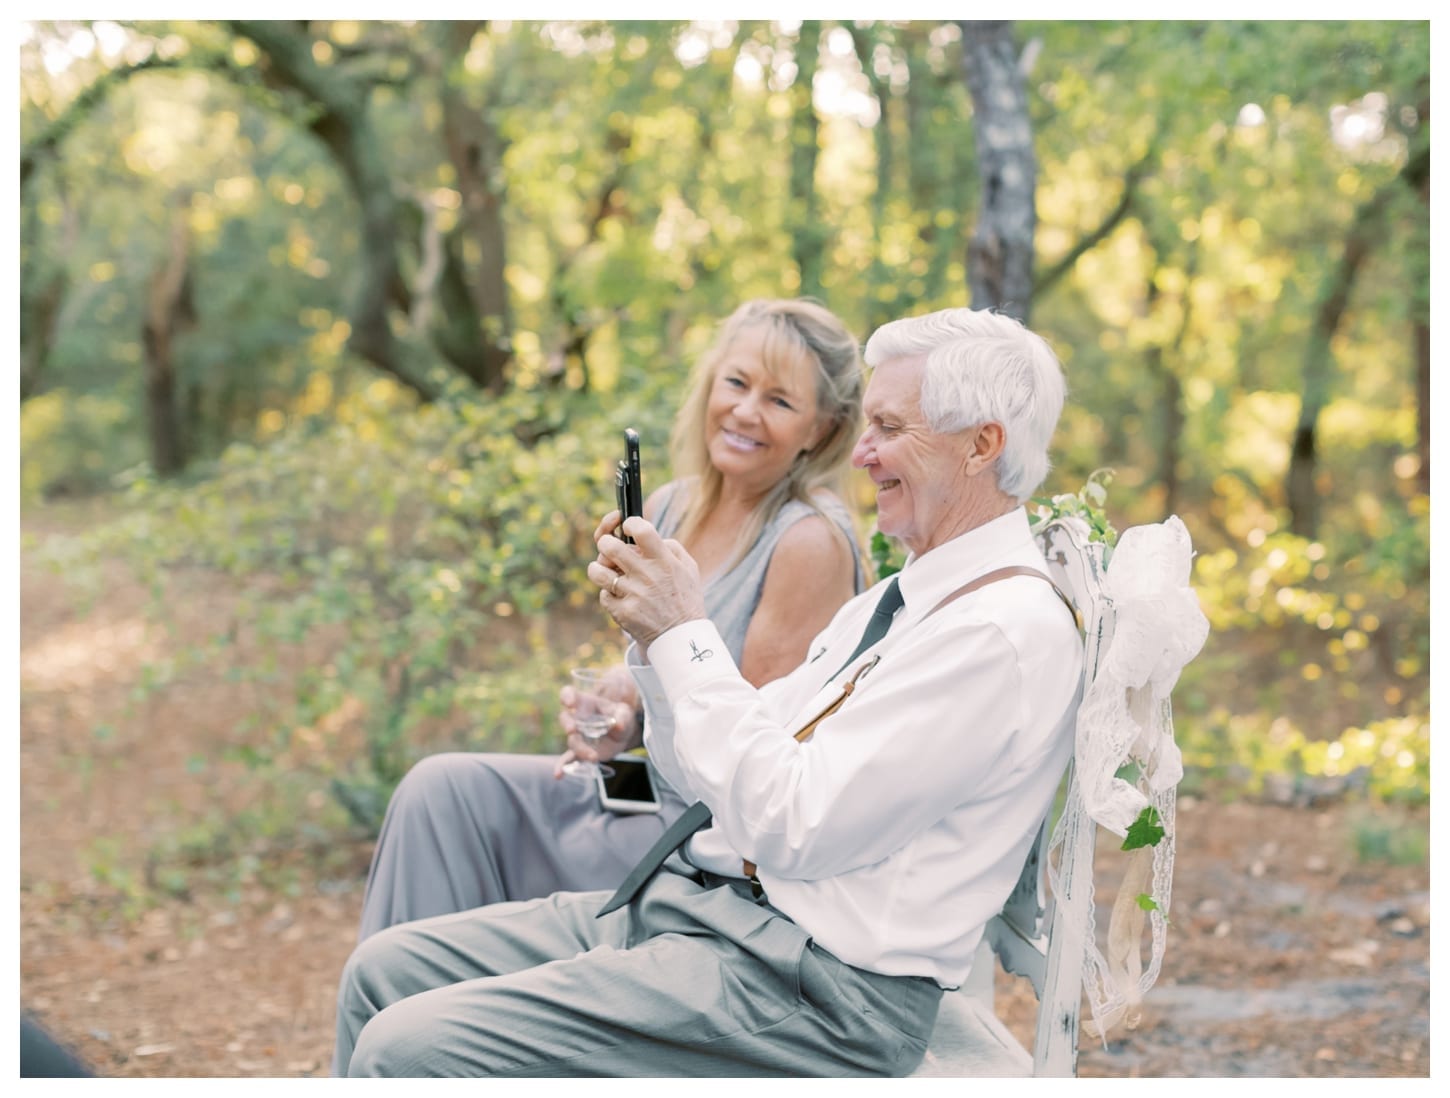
column 703, row 643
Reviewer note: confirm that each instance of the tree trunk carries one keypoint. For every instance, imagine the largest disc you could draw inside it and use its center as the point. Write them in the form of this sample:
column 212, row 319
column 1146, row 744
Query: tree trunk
column 876, row 309
column 38, row 311
column 939, row 179
column 340, row 121
column 803, row 222
column 1301, row 493
column 1000, row 251
column 168, row 310
column 1172, row 434
column 578, row 329
column 717, row 85
column 1417, row 175
column 1422, row 410
column 476, row 152
column 45, row 285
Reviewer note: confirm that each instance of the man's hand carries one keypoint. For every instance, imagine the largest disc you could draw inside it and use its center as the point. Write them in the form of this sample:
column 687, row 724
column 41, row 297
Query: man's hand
column 648, row 587
column 623, row 732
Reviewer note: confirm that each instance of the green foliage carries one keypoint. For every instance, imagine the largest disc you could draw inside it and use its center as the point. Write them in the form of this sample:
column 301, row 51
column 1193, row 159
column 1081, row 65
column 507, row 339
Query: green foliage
column 1088, row 503
column 1392, row 838
column 1146, row 830
column 886, row 556
column 74, row 443
column 1329, row 662
column 417, row 549
column 1393, row 754
column 111, row 869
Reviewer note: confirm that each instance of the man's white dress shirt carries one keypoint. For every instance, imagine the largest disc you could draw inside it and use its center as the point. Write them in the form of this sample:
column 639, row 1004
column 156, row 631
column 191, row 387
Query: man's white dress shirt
column 896, row 831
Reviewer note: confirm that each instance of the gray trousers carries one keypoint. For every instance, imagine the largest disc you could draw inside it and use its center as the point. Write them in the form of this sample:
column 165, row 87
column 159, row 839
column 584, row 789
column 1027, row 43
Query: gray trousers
column 694, row 978
column 463, row 830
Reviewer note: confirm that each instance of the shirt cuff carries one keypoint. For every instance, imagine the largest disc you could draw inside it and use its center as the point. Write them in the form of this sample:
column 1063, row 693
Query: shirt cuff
column 647, row 681
column 690, row 655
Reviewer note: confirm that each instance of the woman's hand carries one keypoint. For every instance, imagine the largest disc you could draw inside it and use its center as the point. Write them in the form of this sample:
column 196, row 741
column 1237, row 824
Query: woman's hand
column 648, row 587
column 623, row 730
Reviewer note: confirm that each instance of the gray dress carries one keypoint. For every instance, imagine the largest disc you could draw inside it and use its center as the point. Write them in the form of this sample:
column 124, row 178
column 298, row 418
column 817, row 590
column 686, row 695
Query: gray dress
column 466, row 829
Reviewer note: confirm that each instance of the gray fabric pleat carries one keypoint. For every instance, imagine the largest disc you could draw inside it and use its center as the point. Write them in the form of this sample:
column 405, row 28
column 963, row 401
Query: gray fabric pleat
column 692, row 979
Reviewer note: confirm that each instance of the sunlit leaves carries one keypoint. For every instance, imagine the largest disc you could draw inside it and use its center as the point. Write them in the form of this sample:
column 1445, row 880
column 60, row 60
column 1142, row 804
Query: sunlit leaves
column 644, row 191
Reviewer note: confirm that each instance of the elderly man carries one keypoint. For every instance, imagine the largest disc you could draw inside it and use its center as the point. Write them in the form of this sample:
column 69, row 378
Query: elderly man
column 859, row 819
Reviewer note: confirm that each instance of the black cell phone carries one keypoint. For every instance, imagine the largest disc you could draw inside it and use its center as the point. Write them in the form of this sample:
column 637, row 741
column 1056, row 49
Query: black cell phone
column 628, row 493
column 629, row 789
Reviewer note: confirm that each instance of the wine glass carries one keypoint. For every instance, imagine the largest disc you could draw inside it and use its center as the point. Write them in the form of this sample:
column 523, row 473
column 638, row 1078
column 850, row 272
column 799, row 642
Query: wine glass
column 593, row 715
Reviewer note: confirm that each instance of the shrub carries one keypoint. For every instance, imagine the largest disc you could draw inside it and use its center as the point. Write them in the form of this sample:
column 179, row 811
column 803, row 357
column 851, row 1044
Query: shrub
column 392, row 566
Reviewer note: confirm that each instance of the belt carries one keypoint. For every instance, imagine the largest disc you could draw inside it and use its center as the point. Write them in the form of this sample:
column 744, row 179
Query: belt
column 751, row 887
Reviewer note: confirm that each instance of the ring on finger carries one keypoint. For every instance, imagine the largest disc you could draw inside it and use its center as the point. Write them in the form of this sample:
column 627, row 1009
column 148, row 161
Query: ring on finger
column 614, row 587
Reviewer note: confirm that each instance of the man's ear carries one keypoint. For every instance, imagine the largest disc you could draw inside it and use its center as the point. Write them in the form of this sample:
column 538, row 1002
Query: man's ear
column 987, row 443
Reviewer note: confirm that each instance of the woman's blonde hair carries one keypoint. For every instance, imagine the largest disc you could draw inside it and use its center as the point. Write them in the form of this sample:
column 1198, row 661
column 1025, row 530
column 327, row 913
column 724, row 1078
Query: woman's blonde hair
column 795, row 330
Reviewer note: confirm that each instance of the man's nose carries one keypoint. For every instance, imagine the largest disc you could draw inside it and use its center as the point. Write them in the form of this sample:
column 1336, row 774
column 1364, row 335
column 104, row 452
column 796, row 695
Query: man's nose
column 864, row 450
column 748, row 406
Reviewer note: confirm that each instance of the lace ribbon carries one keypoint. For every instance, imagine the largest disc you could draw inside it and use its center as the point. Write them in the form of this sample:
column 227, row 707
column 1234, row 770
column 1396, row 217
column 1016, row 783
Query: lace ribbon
column 1126, row 717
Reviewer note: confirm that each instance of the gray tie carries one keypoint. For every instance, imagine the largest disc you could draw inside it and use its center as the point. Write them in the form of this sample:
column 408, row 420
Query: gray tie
column 880, row 622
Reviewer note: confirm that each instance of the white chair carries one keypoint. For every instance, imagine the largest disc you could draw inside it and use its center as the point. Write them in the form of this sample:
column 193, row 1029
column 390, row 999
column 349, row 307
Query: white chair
column 1047, row 941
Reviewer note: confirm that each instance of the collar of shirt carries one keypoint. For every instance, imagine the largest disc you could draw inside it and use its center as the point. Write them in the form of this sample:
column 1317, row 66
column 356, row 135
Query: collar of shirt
column 927, row 579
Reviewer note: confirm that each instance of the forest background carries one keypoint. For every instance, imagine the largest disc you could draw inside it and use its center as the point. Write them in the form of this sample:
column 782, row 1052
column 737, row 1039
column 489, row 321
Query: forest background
column 329, row 329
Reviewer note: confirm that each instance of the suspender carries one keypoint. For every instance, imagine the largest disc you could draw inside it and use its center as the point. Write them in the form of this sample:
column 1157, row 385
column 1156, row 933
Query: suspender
column 1007, row 573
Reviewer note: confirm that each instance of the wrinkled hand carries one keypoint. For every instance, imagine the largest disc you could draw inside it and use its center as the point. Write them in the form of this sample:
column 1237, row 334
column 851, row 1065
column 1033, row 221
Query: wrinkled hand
column 648, row 587
column 619, row 688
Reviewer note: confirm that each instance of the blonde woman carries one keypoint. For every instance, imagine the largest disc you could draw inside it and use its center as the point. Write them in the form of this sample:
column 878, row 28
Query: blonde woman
column 761, row 447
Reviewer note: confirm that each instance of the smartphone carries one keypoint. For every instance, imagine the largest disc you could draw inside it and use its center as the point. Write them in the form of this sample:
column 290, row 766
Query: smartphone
column 628, row 492
column 629, row 789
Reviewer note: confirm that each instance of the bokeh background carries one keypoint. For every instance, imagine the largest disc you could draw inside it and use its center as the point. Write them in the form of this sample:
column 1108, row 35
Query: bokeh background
column 329, row 329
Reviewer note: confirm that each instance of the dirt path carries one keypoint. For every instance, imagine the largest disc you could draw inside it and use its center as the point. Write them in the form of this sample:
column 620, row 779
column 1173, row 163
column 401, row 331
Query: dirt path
column 1287, row 956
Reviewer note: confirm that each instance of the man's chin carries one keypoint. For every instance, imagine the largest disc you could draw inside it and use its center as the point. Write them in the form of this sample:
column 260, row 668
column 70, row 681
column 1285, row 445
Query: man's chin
column 889, row 528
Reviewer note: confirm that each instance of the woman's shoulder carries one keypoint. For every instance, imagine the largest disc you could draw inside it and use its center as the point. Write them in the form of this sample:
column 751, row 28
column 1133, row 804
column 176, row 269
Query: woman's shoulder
column 806, row 524
column 831, row 508
column 824, row 504
column 831, row 505
column 666, row 504
column 810, row 556
column 809, row 535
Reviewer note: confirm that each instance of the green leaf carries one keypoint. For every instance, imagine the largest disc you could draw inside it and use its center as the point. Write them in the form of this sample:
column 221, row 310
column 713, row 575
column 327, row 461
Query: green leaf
column 1146, row 830
column 884, row 555
column 1146, row 902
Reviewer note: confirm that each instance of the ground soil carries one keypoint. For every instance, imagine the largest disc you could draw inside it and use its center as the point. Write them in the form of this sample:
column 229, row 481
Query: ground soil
column 1287, row 956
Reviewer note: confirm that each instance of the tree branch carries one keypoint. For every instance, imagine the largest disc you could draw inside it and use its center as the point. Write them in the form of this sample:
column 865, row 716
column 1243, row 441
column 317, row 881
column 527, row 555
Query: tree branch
column 340, row 121
column 1104, row 229
column 87, row 100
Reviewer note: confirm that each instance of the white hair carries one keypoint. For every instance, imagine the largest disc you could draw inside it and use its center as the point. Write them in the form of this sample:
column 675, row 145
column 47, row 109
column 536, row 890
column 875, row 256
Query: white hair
column 983, row 367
